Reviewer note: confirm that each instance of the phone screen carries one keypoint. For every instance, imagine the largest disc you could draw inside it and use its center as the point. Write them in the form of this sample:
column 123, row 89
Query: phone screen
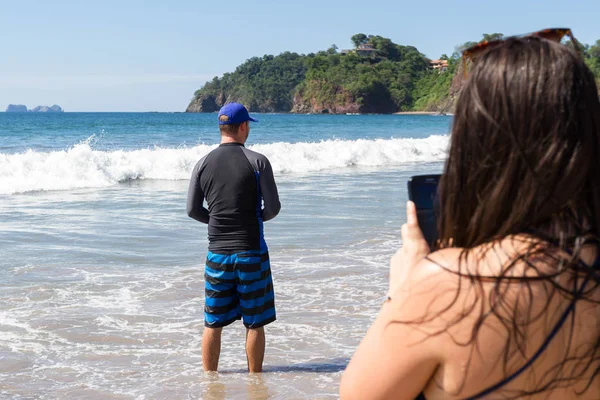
column 423, row 191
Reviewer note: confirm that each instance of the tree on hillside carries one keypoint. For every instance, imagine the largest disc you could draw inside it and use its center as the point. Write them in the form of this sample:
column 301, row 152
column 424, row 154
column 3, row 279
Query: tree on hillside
column 491, row 37
column 358, row 39
column 459, row 49
column 385, row 47
column 592, row 58
column 578, row 46
column 486, row 36
column 594, row 51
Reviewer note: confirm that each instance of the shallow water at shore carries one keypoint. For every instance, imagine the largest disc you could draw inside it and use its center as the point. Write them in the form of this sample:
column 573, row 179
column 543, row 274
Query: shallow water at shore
column 103, row 291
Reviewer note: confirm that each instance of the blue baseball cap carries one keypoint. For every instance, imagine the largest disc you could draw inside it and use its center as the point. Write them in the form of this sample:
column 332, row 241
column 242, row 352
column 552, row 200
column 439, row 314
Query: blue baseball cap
column 234, row 113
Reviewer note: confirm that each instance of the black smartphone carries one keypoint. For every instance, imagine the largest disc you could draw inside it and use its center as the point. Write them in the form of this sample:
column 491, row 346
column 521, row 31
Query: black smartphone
column 423, row 191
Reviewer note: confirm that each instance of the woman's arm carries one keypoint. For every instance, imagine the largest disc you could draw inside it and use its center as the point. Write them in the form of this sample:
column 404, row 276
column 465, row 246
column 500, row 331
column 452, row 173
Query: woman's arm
column 391, row 362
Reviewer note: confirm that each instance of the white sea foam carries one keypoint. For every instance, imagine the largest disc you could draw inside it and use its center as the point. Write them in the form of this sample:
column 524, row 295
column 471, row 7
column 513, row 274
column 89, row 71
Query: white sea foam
column 83, row 167
column 83, row 317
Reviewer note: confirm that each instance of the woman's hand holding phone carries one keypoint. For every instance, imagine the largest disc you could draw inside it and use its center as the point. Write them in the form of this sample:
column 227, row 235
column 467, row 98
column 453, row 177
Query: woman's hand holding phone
column 414, row 248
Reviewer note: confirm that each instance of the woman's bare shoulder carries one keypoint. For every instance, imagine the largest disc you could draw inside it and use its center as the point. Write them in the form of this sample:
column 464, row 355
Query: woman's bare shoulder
column 486, row 260
column 432, row 280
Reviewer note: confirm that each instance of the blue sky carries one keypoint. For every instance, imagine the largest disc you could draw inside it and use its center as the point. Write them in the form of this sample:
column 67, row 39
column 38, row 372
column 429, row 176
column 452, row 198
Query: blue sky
column 134, row 55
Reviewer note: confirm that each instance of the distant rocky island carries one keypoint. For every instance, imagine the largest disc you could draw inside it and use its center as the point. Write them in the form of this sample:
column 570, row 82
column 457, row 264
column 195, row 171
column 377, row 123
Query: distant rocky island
column 22, row 108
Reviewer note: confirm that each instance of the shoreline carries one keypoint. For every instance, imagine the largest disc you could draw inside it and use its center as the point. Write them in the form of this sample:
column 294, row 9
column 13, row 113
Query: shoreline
column 417, row 113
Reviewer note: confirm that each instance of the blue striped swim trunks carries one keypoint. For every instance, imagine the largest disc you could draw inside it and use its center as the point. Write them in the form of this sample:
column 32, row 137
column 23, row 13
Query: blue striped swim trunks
column 239, row 286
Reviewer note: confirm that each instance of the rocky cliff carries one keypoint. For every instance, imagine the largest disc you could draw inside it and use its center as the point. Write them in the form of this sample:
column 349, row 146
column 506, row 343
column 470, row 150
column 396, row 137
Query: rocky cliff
column 310, row 103
column 301, row 104
column 448, row 104
column 205, row 104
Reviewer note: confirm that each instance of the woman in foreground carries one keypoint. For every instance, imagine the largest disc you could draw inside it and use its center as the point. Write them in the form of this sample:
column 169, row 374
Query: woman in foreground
column 508, row 305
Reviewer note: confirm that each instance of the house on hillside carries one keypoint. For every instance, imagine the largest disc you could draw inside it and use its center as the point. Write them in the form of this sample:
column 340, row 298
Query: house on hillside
column 361, row 50
column 439, row 65
column 365, row 50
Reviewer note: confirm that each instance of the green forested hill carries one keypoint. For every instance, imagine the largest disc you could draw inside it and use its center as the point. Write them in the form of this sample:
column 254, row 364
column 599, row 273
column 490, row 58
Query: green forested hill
column 375, row 76
column 262, row 84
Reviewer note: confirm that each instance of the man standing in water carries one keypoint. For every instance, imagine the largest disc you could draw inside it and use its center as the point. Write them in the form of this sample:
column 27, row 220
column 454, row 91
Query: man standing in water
column 235, row 182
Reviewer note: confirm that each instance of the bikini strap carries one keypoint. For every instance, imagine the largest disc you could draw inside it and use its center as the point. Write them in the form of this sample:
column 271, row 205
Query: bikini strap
column 543, row 347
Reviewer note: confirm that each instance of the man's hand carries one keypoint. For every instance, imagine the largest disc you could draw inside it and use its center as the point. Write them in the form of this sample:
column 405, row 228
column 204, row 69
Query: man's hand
column 414, row 248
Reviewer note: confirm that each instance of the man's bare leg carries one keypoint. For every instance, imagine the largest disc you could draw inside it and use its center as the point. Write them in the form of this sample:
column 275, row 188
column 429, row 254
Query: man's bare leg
column 211, row 348
column 255, row 348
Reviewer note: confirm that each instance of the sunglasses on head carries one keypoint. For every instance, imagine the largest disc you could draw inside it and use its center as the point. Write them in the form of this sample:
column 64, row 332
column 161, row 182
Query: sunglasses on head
column 553, row 34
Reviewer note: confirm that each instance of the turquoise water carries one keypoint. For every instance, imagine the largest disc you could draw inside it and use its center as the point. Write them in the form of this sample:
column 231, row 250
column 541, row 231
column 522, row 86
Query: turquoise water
column 46, row 132
column 102, row 271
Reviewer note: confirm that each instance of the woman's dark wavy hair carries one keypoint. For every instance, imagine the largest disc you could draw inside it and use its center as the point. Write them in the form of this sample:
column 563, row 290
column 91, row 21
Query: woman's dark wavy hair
column 524, row 159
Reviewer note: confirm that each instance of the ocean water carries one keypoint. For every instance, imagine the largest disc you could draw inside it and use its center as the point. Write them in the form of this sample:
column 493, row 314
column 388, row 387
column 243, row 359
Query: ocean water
column 101, row 270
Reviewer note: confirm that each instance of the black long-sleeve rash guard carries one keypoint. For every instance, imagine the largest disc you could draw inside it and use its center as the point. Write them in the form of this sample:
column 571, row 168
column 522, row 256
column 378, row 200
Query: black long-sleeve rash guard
column 235, row 182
